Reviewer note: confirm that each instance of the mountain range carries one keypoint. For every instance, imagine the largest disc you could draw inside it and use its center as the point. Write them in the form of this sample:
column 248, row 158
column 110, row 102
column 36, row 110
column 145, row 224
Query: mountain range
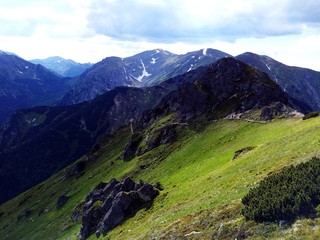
column 141, row 70
column 60, row 135
column 203, row 128
column 63, row 67
column 144, row 69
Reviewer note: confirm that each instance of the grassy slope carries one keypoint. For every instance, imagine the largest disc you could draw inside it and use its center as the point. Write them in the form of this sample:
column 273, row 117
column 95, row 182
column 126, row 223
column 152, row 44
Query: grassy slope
column 202, row 186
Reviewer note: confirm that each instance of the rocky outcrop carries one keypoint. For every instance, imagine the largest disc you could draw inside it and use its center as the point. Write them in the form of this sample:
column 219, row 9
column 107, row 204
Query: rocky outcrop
column 153, row 139
column 131, row 147
column 62, row 200
column 110, row 204
column 279, row 110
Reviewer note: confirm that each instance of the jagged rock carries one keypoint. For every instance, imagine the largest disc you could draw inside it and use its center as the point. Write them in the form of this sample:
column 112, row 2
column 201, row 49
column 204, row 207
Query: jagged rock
column 62, row 200
column 76, row 170
column 164, row 135
column 131, row 147
column 76, row 214
column 109, row 204
column 277, row 109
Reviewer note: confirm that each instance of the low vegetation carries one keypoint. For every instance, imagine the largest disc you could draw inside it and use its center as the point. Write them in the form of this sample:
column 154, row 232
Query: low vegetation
column 287, row 195
column 311, row 115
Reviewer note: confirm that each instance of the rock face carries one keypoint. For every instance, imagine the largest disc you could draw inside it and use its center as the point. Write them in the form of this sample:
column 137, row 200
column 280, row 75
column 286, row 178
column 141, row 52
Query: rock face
column 109, row 204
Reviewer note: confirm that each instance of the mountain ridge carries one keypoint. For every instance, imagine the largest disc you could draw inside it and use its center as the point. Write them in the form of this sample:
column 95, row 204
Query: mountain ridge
column 24, row 84
column 302, row 84
column 143, row 69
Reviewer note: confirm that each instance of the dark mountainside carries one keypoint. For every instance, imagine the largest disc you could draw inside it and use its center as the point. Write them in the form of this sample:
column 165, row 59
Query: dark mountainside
column 144, row 69
column 24, row 85
column 63, row 67
column 302, row 85
column 38, row 142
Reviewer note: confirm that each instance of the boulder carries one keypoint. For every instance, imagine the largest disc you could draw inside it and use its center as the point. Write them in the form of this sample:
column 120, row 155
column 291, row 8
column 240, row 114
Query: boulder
column 110, row 204
column 62, row 200
column 131, row 147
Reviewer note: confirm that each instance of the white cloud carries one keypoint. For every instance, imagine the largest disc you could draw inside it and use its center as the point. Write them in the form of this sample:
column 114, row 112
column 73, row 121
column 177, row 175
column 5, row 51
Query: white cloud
column 199, row 20
column 90, row 30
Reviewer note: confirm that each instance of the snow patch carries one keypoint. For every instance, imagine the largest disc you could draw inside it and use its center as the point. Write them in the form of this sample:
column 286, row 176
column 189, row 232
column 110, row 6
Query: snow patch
column 144, row 72
column 190, row 68
column 268, row 67
column 157, row 51
column 26, row 67
column 153, row 61
column 193, row 56
column 204, row 52
column 20, row 72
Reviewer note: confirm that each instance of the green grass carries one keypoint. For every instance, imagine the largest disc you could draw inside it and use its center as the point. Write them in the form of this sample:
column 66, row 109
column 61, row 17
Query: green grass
column 203, row 187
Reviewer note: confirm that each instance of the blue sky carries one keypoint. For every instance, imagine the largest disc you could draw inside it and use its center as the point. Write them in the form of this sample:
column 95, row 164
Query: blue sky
column 90, row 30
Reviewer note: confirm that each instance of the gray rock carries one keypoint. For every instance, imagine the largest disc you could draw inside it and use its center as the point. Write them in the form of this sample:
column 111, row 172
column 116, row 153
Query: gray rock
column 62, row 200
column 107, row 207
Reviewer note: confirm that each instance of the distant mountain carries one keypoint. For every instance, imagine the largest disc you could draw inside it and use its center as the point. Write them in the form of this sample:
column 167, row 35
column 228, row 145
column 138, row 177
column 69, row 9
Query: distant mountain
column 24, row 84
column 302, row 85
column 144, row 69
column 38, row 142
column 63, row 67
column 7, row 53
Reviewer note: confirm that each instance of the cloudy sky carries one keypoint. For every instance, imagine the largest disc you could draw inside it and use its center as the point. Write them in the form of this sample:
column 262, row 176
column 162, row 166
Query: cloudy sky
column 90, row 30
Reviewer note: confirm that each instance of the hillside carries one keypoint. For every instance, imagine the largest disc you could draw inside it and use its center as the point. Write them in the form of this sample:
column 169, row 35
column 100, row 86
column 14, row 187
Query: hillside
column 203, row 186
column 24, row 84
column 46, row 139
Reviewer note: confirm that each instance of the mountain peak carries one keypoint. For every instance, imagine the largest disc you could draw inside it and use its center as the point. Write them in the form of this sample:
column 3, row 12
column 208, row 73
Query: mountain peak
column 147, row 68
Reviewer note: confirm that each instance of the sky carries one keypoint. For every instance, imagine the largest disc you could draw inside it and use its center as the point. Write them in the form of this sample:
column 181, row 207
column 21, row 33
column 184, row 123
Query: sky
column 90, row 30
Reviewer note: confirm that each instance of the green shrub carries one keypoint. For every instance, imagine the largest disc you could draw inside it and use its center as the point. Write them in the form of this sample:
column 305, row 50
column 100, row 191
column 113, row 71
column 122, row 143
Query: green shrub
column 293, row 192
column 311, row 115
